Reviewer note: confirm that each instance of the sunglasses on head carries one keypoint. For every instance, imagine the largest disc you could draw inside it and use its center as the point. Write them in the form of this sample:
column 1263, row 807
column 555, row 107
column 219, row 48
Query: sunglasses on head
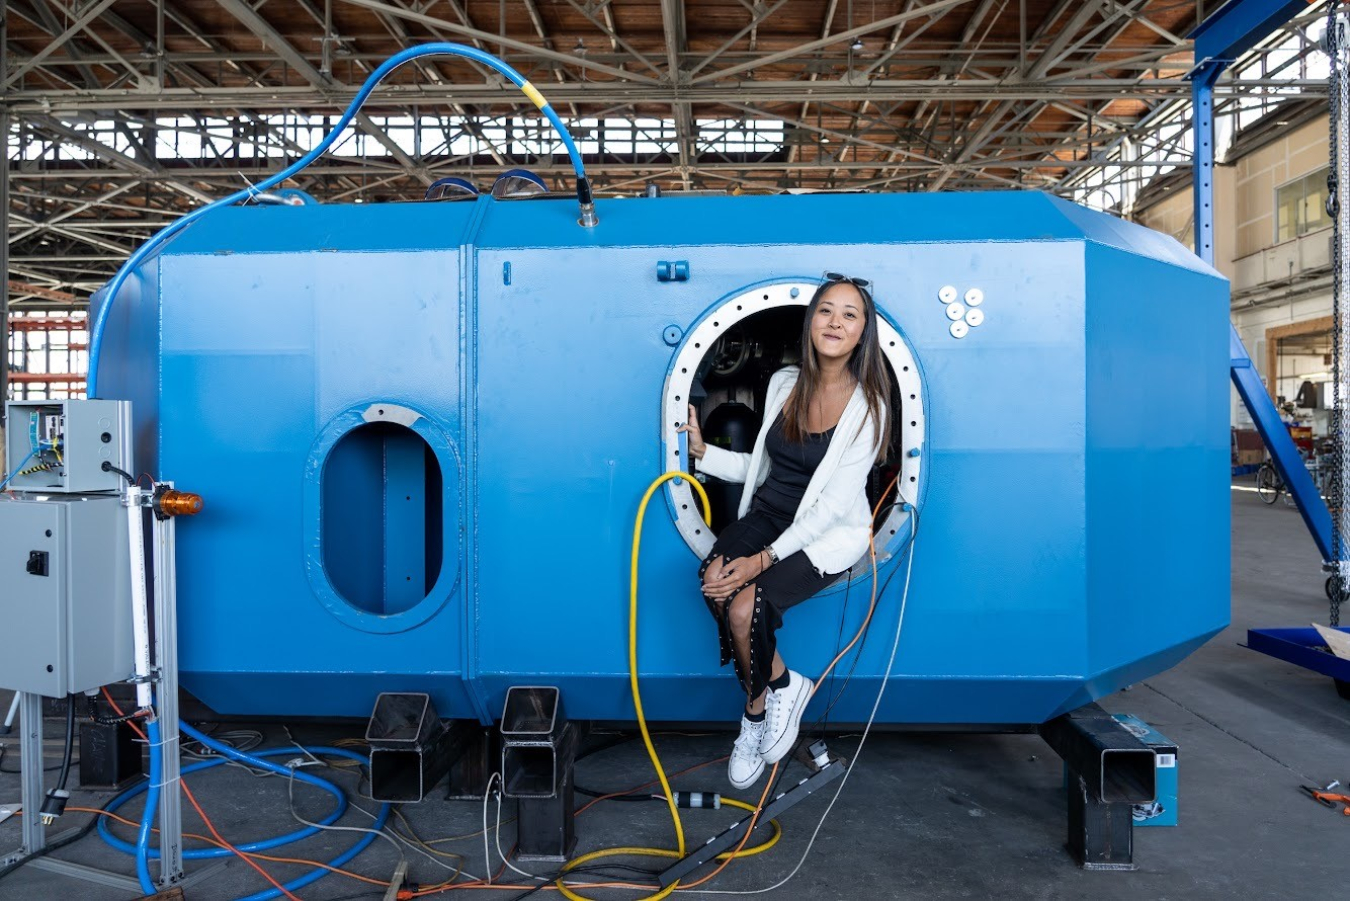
column 834, row 277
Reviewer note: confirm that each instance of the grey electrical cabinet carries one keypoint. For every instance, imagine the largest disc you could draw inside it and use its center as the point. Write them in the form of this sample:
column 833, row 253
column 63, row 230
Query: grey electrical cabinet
column 60, row 446
column 65, row 593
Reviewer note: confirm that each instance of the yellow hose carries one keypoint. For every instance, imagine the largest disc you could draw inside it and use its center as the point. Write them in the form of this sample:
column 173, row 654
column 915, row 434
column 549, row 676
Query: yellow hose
column 726, row 856
column 637, row 696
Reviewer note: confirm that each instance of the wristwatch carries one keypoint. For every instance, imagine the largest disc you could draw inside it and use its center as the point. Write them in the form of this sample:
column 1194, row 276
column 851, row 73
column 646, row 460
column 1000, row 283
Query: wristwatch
column 773, row 557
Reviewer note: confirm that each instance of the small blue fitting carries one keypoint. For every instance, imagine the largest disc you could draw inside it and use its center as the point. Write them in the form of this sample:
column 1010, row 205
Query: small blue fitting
column 506, row 273
column 913, row 452
column 672, row 270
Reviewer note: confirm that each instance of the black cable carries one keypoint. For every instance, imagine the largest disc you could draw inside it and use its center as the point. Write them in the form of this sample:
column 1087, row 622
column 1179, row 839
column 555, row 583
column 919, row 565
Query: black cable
column 857, row 655
column 868, row 629
column 102, row 720
column 54, row 803
column 59, row 843
column 598, row 870
column 623, row 739
column 70, row 744
column 595, row 794
column 838, row 640
column 46, row 769
column 604, row 869
column 801, row 737
column 108, row 467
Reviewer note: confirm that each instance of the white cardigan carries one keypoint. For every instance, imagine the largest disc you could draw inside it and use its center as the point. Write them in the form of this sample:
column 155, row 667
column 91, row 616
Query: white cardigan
column 833, row 522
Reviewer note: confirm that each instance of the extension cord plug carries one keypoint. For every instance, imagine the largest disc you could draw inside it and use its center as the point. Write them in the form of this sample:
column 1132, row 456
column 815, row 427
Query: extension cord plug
column 54, row 806
column 697, row 800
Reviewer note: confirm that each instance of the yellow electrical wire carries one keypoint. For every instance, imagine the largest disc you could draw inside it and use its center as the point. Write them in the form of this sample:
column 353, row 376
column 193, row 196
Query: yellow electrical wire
column 637, row 695
column 676, row 855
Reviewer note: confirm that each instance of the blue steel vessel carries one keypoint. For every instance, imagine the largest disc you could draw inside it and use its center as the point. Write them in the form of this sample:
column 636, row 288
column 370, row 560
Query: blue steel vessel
column 422, row 430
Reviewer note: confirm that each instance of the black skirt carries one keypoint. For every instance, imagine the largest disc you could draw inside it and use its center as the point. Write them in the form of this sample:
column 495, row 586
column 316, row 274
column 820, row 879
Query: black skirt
column 782, row 586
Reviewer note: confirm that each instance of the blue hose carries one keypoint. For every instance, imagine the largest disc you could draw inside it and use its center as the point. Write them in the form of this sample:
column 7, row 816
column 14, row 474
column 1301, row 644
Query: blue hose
column 262, row 845
column 388, row 66
column 144, row 853
column 318, row 872
column 18, row 468
column 142, row 848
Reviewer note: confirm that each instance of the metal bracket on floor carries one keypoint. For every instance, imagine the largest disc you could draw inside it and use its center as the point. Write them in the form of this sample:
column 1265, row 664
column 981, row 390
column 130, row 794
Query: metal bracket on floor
column 118, row 881
column 539, row 749
column 1110, row 770
column 784, row 801
column 411, row 749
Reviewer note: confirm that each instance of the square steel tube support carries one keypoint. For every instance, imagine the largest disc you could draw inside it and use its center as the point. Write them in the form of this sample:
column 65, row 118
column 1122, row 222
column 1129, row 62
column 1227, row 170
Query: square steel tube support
column 411, row 749
column 1115, row 765
column 1110, row 770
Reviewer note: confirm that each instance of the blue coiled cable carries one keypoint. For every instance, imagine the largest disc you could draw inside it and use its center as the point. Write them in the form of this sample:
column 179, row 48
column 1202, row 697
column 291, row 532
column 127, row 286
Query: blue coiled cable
column 389, row 65
column 144, row 853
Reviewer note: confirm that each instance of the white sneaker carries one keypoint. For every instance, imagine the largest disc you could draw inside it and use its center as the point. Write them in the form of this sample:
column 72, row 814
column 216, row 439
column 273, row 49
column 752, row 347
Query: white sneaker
column 783, row 714
column 746, row 765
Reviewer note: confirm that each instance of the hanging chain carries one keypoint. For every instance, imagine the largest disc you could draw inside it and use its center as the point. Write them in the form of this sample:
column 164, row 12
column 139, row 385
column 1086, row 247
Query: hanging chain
column 1338, row 181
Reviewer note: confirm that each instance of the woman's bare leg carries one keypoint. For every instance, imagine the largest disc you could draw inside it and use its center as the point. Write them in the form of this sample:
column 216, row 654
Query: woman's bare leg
column 742, row 617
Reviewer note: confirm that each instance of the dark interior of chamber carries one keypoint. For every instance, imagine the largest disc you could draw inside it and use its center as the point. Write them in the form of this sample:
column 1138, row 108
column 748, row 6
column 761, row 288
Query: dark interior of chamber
column 729, row 391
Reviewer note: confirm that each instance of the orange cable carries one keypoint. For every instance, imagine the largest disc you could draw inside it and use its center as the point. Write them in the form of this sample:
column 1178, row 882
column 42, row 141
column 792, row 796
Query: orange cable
column 696, row 766
column 754, row 819
column 210, row 841
column 444, row 887
column 205, row 819
column 759, row 808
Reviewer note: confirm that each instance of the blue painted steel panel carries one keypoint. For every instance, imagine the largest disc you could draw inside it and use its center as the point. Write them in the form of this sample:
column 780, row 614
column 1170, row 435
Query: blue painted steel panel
column 1046, row 573
column 1147, row 317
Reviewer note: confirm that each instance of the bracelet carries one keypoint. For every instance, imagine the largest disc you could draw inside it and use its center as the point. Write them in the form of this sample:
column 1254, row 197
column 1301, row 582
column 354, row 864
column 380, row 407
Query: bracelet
column 773, row 557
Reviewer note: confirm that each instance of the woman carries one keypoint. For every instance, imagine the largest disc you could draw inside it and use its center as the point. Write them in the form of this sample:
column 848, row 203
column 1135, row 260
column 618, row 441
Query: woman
column 804, row 518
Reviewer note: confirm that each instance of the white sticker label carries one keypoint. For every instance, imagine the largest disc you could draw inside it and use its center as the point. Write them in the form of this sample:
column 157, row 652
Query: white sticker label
column 1166, row 760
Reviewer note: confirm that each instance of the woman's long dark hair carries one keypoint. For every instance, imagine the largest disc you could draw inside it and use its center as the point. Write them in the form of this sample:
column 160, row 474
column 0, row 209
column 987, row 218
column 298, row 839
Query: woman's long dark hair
column 866, row 365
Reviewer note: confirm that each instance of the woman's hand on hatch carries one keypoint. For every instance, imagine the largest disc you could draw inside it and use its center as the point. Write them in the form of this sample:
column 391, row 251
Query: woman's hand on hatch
column 696, row 445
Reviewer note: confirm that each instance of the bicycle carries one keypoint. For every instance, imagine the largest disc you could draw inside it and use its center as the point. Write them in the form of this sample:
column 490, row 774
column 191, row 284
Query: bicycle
column 1269, row 485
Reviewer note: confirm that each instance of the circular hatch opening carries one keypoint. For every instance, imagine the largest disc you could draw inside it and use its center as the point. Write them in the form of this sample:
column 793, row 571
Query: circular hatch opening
column 723, row 367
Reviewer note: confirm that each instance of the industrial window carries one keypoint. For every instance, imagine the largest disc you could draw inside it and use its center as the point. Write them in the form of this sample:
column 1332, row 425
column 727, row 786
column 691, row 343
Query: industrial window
column 1301, row 206
column 382, row 529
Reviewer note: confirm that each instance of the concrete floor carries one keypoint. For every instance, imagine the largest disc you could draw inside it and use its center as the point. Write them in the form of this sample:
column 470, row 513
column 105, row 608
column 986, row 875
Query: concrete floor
column 935, row 816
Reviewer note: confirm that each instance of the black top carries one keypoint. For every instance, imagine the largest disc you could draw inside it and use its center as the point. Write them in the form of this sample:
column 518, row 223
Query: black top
column 790, row 470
